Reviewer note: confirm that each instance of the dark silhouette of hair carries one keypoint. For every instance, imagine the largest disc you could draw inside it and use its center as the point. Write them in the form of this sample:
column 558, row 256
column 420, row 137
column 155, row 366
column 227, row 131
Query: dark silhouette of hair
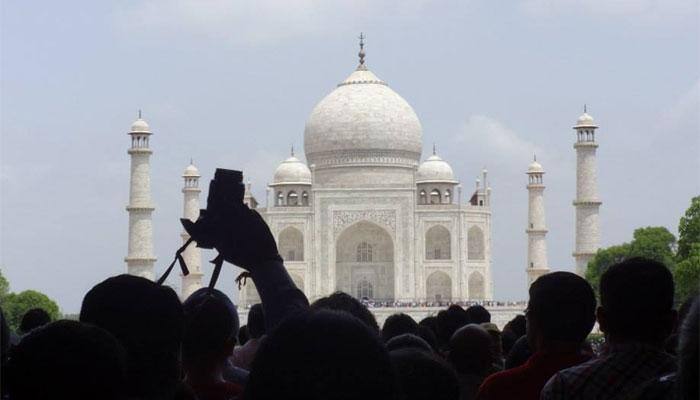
column 517, row 325
column 562, row 304
column 448, row 321
column 147, row 320
column 399, row 324
column 430, row 323
column 514, row 329
column 319, row 355
column 341, row 301
column 211, row 327
column 423, row 375
column 471, row 351
column 67, row 360
column 243, row 335
column 428, row 335
column 256, row 321
column 518, row 354
column 34, row 318
column 478, row 314
column 408, row 341
column 637, row 300
column 688, row 351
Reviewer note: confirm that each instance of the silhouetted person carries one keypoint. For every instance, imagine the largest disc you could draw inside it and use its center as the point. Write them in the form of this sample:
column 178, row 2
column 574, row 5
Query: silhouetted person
column 428, row 335
column 471, row 356
column 422, row 375
column 211, row 328
column 636, row 314
column 67, row 360
column 477, row 314
column 32, row 319
column 398, row 324
column 147, row 320
column 496, row 346
column 512, row 331
column 430, row 323
column 560, row 315
column 321, row 355
column 243, row 356
column 448, row 321
column 243, row 335
column 518, row 354
column 408, row 341
column 344, row 302
column 681, row 385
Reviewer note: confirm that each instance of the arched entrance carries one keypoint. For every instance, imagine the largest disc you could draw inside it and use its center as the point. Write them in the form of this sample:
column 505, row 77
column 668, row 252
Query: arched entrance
column 439, row 287
column 364, row 262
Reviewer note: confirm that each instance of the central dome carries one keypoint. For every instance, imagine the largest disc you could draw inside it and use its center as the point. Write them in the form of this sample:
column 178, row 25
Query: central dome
column 363, row 121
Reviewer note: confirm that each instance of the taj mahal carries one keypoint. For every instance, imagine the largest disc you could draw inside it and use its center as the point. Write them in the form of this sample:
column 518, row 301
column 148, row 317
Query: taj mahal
column 366, row 214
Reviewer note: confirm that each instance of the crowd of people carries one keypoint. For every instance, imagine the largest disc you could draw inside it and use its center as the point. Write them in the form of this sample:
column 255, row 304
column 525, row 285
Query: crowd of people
column 136, row 340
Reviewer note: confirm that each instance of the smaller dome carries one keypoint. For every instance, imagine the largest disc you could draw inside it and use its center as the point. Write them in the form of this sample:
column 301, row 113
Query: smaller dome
column 292, row 171
column 535, row 168
column 140, row 126
column 585, row 121
column 435, row 169
column 191, row 171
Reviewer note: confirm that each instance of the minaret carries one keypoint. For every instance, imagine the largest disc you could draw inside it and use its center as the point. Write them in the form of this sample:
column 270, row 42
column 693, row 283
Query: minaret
column 536, row 226
column 140, row 259
column 192, row 254
column 587, row 201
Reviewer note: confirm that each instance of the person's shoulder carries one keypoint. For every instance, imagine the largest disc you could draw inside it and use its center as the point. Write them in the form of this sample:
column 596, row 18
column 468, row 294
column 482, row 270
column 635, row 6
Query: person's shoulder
column 498, row 382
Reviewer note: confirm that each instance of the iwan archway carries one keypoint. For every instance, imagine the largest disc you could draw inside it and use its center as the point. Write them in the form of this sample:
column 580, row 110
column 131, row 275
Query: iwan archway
column 364, row 262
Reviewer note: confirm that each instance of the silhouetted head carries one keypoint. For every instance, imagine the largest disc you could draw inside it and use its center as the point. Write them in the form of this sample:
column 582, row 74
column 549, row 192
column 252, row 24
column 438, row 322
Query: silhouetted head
column 34, row 318
column 471, row 350
column 517, row 325
column 341, row 301
column 399, row 324
column 423, row 375
column 321, row 355
column 256, row 321
column 428, row 335
column 512, row 331
column 211, row 328
column 243, row 335
column 430, row 323
column 688, row 351
column 408, row 341
column 448, row 321
column 67, row 360
column 561, row 308
column 636, row 298
column 147, row 320
column 478, row 314
column 519, row 353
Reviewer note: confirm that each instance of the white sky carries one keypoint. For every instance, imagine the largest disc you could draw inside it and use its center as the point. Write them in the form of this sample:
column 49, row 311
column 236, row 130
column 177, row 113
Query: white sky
column 232, row 83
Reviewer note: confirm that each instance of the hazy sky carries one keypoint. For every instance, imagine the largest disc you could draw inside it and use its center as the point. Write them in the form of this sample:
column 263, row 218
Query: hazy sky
column 231, row 83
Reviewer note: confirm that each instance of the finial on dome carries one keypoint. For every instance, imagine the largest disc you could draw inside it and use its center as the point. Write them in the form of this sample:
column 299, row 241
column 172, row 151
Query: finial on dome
column 534, row 157
column 191, row 161
column 584, row 108
column 292, row 152
column 139, row 113
column 361, row 54
column 434, row 149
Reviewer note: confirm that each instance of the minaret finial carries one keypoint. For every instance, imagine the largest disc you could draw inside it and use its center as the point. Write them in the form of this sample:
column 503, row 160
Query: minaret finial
column 361, row 54
column 434, row 149
column 139, row 113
